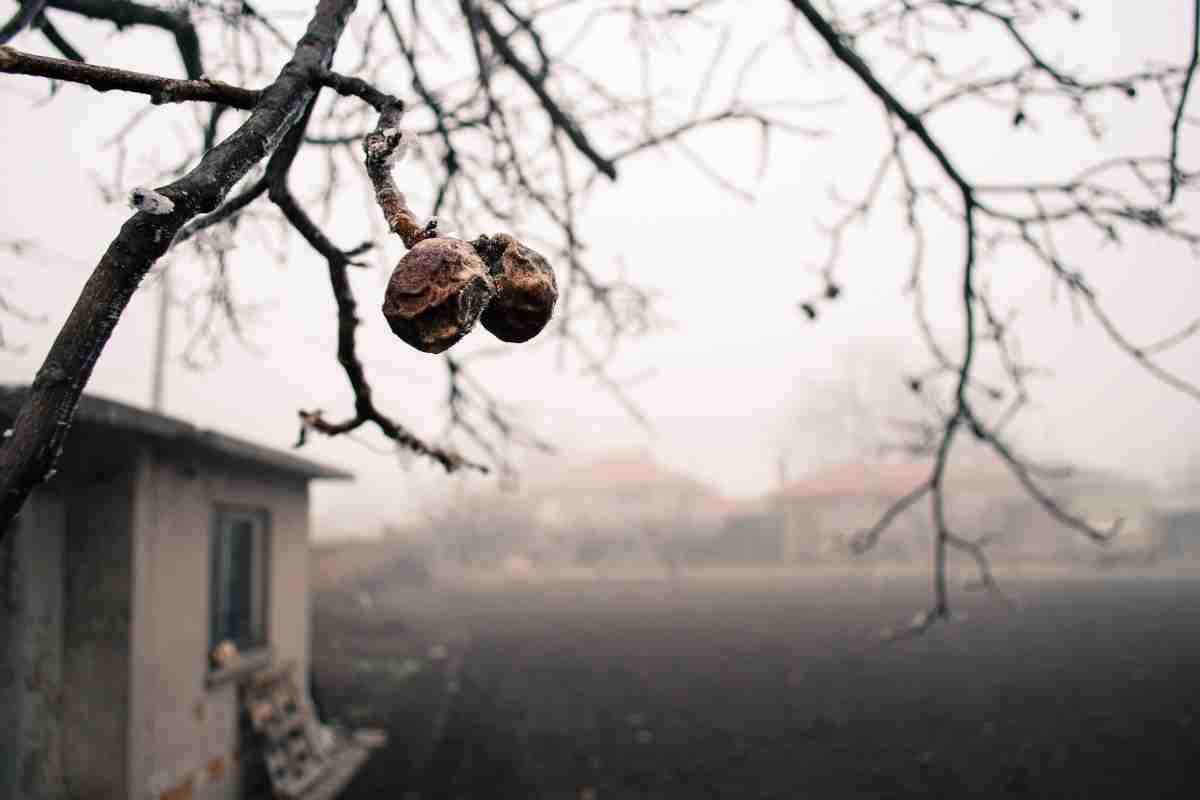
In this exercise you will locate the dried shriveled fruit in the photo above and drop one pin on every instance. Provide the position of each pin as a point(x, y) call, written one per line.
point(526, 290)
point(436, 293)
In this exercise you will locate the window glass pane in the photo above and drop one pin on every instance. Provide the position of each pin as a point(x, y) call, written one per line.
point(238, 579)
point(241, 559)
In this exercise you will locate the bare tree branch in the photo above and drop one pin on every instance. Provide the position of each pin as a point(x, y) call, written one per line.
point(1177, 121)
point(27, 12)
point(103, 79)
point(537, 84)
point(125, 13)
point(60, 42)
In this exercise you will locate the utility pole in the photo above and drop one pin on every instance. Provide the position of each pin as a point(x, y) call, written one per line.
point(159, 386)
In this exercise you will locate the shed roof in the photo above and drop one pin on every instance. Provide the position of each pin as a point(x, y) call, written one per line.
point(100, 411)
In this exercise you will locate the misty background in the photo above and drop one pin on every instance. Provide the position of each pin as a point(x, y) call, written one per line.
point(679, 601)
point(735, 387)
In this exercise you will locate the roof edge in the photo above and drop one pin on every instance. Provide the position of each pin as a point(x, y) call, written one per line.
point(96, 410)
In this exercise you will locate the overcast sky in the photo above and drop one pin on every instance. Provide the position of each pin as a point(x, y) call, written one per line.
point(738, 361)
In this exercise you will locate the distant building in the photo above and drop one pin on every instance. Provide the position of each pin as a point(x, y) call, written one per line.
point(1104, 499)
point(624, 506)
point(750, 536)
point(1179, 519)
point(152, 544)
point(1180, 531)
point(822, 512)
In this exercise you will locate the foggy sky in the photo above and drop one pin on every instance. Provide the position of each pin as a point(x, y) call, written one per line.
point(721, 383)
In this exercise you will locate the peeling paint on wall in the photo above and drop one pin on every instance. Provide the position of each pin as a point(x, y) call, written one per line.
point(182, 791)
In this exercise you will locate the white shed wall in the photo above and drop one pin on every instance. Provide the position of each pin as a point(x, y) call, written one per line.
point(185, 732)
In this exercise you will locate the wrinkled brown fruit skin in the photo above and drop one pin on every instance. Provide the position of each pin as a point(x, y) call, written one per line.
point(526, 289)
point(436, 294)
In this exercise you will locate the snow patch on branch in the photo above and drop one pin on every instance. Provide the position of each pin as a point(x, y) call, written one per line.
point(150, 201)
point(391, 145)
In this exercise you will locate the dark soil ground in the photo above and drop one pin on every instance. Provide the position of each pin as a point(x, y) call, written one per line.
point(768, 686)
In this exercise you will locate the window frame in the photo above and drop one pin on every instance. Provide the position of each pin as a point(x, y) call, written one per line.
point(224, 516)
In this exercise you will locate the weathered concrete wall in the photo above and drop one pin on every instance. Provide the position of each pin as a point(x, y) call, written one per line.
point(12, 665)
point(31, 639)
point(185, 731)
point(97, 613)
point(12, 623)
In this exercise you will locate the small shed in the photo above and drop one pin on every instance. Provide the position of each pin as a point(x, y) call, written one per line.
point(154, 545)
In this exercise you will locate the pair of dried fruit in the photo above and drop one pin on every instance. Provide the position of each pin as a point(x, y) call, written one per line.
point(442, 286)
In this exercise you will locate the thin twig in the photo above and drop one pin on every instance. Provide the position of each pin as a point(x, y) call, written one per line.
point(103, 79)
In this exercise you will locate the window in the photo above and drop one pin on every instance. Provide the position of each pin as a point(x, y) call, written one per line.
point(238, 595)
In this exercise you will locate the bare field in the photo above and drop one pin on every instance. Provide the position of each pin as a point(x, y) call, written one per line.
point(764, 685)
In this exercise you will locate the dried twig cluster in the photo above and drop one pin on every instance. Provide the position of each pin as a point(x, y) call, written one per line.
point(444, 285)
